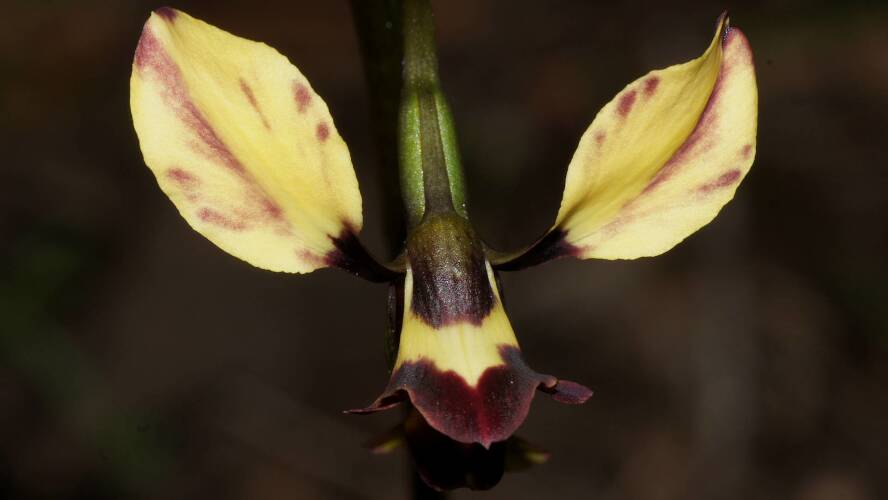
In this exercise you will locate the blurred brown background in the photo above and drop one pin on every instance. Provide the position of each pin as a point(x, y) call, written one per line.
point(751, 362)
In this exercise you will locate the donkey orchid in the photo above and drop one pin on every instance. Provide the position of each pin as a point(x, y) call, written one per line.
point(248, 153)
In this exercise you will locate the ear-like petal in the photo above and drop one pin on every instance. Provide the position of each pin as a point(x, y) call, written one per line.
point(660, 160)
point(242, 145)
point(664, 156)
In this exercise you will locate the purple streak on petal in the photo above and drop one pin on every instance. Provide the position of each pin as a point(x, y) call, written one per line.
point(724, 180)
point(185, 180)
point(152, 58)
point(216, 218)
point(248, 92)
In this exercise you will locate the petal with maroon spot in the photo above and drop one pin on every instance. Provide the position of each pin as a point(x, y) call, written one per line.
point(243, 146)
point(659, 161)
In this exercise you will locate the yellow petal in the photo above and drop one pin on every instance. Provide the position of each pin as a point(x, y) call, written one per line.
point(242, 145)
point(661, 159)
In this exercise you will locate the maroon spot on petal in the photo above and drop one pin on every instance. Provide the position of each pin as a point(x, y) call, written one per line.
point(184, 179)
point(322, 131)
point(724, 180)
point(167, 13)
point(302, 96)
point(248, 92)
point(217, 218)
point(650, 86)
point(624, 105)
point(746, 151)
point(600, 136)
point(488, 412)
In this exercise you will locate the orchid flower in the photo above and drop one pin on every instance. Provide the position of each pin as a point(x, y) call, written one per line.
point(249, 154)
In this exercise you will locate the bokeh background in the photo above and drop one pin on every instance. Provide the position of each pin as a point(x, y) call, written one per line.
point(751, 362)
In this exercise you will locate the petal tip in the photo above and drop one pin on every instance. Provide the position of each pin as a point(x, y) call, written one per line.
point(568, 392)
point(388, 400)
point(168, 14)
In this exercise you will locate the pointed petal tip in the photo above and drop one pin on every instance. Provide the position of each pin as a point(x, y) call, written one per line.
point(385, 402)
point(167, 13)
point(568, 392)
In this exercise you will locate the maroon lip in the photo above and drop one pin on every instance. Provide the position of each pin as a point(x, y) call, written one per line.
point(489, 412)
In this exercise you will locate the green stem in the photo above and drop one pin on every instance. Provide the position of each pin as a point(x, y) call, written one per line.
point(431, 174)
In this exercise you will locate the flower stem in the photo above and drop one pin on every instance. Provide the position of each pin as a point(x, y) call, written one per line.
point(431, 174)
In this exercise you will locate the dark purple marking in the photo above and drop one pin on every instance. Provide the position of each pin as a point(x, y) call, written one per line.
point(746, 151)
point(322, 132)
point(245, 88)
point(627, 100)
point(551, 246)
point(167, 13)
point(217, 218)
point(724, 180)
point(489, 412)
point(450, 281)
point(650, 86)
point(350, 255)
point(302, 96)
point(600, 136)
